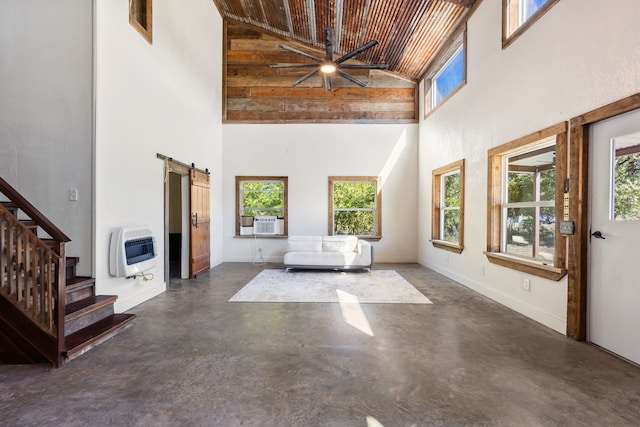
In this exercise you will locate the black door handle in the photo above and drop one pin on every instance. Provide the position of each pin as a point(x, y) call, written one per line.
point(598, 235)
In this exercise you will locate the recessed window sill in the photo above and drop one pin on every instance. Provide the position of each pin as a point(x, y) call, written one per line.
point(528, 266)
point(370, 238)
point(447, 246)
point(261, 236)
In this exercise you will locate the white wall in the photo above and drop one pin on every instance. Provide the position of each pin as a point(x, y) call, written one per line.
point(46, 112)
point(160, 98)
point(308, 154)
point(581, 55)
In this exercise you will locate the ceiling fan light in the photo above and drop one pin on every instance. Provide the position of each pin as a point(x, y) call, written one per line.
point(328, 68)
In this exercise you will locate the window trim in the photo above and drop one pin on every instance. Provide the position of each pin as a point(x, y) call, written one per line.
point(507, 38)
point(285, 181)
point(495, 197)
point(436, 208)
point(378, 204)
point(442, 60)
point(144, 28)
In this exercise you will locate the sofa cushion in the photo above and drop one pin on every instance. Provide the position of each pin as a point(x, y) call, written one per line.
point(339, 243)
point(326, 259)
point(304, 243)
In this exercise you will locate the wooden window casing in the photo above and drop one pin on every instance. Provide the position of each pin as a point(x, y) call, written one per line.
point(141, 18)
point(495, 204)
point(239, 208)
point(512, 28)
point(436, 209)
point(378, 203)
point(457, 42)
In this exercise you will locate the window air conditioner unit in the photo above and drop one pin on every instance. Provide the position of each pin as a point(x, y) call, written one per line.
point(265, 224)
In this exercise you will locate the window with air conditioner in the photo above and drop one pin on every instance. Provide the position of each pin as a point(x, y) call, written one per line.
point(261, 205)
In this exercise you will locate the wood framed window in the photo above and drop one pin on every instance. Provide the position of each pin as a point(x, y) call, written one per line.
point(526, 186)
point(141, 17)
point(355, 205)
point(519, 15)
point(262, 198)
point(448, 75)
point(447, 213)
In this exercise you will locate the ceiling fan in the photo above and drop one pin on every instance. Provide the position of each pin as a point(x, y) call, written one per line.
point(329, 66)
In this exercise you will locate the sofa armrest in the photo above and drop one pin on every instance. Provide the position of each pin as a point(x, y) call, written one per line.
point(365, 249)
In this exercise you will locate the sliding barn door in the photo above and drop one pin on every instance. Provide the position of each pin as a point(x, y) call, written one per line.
point(199, 255)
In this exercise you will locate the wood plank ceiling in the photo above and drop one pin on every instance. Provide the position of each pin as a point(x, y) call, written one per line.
point(410, 34)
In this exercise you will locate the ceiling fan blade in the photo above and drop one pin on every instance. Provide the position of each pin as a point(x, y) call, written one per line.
point(328, 37)
point(355, 52)
point(351, 78)
point(293, 65)
point(301, 79)
point(365, 66)
point(299, 52)
point(327, 82)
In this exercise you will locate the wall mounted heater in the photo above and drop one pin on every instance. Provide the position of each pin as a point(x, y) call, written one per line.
point(265, 224)
point(132, 251)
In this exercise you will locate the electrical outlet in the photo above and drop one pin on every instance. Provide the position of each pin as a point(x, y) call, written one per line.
point(526, 285)
point(73, 194)
point(567, 228)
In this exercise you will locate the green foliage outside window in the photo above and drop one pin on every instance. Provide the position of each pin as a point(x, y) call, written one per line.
point(262, 198)
point(521, 221)
point(627, 188)
point(354, 204)
point(451, 217)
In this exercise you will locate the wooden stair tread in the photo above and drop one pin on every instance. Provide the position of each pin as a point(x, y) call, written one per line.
point(79, 281)
point(78, 308)
point(96, 333)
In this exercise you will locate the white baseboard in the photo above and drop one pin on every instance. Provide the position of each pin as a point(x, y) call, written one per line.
point(280, 259)
point(544, 317)
point(121, 305)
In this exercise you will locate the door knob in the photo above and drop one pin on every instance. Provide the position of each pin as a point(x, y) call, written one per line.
point(598, 235)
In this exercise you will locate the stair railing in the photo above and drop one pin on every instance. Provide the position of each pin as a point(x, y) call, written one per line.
point(32, 276)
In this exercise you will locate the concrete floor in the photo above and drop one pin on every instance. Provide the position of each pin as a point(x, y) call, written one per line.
point(192, 358)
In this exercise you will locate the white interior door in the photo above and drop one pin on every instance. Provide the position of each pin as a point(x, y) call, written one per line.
point(614, 273)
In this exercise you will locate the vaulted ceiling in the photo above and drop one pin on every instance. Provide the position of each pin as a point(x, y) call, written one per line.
point(410, 32)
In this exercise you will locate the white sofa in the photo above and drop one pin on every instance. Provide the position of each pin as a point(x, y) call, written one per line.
point(328, 252)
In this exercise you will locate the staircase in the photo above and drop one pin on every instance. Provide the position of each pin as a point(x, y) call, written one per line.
point(47, 312)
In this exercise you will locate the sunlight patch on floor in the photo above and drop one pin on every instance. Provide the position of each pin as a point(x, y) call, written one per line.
point(352, 312)
point(372, 422)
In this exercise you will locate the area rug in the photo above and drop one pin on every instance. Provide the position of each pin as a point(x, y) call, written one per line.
point(377, 287)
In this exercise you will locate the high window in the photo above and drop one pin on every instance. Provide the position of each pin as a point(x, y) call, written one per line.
point(355, 205)
point(447, 226)
point(140, 17)
point(258, 197)
point(518, 15)
point(526, 189)
point(447, 76)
